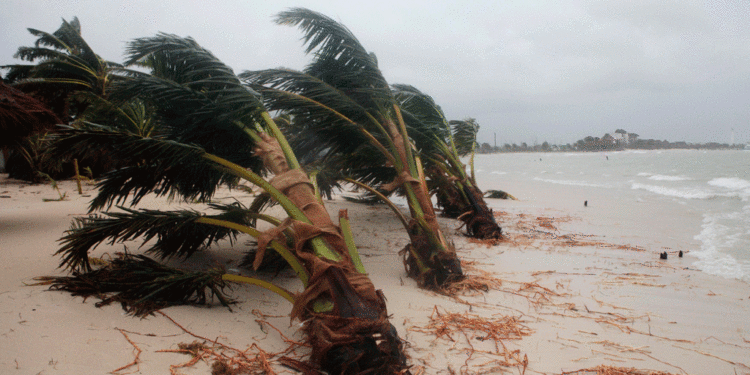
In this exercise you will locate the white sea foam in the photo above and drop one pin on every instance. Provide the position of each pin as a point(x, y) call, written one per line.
point(498, 172)
point(732, 183)
point(659, 177)
point(571, 182)
point(718, 236)
point(686, 193)
point(736, 187)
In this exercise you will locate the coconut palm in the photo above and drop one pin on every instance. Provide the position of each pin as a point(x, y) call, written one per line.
point(344, 106)
point(441, 144)
point(212, 130)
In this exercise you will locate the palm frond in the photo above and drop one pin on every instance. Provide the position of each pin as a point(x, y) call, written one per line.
point(143, 285)
point(175, 233)
point(332, 40)
point(196, 96)
point(64, 45)
point(157, 165)
point(17, 72)
point(340, 58)
point(260, 203)
point(178, 59)
point(134, 116)
point(65, 63)
point(425, 120)
point(307, 98)
point(465, 135)
point(47, 41)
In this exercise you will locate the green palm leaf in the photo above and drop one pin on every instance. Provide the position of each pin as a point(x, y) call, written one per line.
point(334, 44)
point(143, 285)
point(176, 233)
point(64, 64)
point(157, 165)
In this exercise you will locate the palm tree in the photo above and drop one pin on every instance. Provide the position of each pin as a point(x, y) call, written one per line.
point(64, 64)
point(212, 130)
point(66, 75)
point(344, 106)
point(441, 144)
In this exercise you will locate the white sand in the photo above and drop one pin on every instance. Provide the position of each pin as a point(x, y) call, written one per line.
point(583, 305)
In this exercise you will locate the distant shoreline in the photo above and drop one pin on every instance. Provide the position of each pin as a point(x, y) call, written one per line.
point(674, 146)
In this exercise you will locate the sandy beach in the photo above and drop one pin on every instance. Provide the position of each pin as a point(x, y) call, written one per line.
point(568, 289)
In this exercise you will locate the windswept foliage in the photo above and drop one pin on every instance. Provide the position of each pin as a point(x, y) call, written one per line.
point(210, 129)
point(68, 77)
point(441, 143)
point(350, 118)
point(64, 64)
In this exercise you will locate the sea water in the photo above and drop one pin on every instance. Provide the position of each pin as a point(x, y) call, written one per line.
point(695, 200)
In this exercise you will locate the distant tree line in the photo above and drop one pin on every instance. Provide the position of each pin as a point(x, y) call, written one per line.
point(622, 140)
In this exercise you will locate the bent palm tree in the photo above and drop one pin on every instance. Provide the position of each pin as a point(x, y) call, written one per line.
point(441, 144)
point(213, 130)
point(344, 105)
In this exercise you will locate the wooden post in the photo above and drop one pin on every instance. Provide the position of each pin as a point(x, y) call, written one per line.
point(78, 176)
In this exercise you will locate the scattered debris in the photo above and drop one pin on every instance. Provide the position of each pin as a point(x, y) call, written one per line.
point(611, 370)
point(476, 329)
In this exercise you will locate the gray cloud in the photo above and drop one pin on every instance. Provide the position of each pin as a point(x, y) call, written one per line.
point(528, 71)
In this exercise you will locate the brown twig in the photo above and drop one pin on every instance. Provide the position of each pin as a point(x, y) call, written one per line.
point(136, 360)
point(230, 360)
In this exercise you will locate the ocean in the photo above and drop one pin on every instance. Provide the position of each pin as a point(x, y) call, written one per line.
point(663, 200)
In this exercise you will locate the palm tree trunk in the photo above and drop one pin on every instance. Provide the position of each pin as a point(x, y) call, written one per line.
point(428, 258)
point(464, 201)
point(353, 334)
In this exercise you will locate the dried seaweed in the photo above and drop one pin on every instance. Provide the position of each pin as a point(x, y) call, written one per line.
point(611, 370)
point(226, 360)
point(475, 282)
point(542, 229)
point(136, 361)
point(474, 329)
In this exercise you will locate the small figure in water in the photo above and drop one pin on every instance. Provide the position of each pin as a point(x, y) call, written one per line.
point(680, 254)
point(585, 203)
point(663, 256)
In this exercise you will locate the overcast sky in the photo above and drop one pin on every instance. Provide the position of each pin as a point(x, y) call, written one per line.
point(529, 71)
